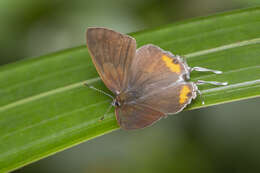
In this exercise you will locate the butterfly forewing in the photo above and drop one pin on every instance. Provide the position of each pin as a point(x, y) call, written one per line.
point(112, 53)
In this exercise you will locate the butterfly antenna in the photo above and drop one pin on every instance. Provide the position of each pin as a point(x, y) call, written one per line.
point(98, 90)
point(108, 109)
point(201, 82)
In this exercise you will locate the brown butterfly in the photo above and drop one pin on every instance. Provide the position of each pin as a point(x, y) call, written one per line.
point(149, 83)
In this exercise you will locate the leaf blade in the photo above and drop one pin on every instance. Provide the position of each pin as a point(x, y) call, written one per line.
point(44, 108)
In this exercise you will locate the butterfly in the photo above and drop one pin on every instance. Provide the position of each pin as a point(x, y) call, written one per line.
point(149, 83)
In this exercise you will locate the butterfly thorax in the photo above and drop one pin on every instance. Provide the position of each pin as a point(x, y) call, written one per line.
point(123, 98)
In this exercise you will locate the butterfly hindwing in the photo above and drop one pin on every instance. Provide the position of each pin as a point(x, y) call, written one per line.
point(147, 109)
point(171, 99)
point(133, 116)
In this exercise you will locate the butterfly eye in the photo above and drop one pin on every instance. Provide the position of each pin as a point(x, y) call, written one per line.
point(117, 103)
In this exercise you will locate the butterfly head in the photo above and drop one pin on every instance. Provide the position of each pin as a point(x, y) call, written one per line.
point(116, 103)
point(119, 100)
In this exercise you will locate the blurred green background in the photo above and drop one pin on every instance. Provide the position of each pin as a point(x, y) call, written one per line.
point(223, 138)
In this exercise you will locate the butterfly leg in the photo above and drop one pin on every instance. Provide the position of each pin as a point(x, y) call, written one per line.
point(201, 82)
point(100, 91)
point(108, 109)
point(202, 69)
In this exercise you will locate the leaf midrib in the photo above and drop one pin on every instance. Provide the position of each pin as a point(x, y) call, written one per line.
point(45, 76)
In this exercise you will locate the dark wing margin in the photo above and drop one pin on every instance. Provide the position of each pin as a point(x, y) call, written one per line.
point(112, 54)
point(135, 116)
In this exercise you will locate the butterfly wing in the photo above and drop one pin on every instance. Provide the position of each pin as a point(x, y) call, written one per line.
point(148, 109)
point(171, 99)
point(112, 54)
point(159, 80)
point(133, 116)
point(153, 68)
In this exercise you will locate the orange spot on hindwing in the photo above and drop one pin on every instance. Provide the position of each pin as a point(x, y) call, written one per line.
point(170, 64)
point(184, 94)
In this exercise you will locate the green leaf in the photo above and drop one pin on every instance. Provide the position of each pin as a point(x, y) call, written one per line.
point(44, 107)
